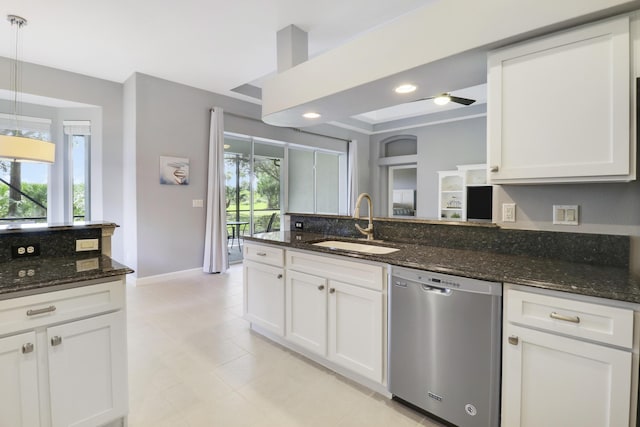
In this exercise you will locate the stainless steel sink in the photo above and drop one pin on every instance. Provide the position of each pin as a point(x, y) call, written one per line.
point(356, 247)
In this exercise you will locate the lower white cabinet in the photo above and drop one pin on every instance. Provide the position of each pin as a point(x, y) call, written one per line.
point(86, 366)
point(356, 333)
point(64, 370)
point(553, 377)
point(336, 320)
point(550, 380)
point(306, 314)
point(330, 308)
point(264, 296)
point(19, 384)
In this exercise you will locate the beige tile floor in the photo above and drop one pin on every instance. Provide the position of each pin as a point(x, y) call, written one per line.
point(194, 362)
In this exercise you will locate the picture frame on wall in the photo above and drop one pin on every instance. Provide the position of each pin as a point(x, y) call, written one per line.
point(174, 170)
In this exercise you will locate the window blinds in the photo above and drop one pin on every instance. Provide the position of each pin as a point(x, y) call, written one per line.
point(77, 127)
point(32, 127)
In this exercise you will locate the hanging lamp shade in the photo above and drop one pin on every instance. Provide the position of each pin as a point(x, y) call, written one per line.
point(23, 149)
point(19, 148)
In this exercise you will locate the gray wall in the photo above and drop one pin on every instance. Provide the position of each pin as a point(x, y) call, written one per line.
point(440, 147)
point(170, 119)
point(59, 84)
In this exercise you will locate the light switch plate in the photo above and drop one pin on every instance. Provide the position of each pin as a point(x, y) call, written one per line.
point(87, 245)
point(197, 203)
point(566, 214)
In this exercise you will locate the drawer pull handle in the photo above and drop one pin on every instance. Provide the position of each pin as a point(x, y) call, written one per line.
point(513, 340)
point(57, 340)
point(27, 348)
point(41, 310)
point(572, 319)
point(494, 169)
point(261, 253)
point(321, 288)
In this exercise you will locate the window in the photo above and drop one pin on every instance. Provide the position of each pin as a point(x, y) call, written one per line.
point(77, 200)
point(317, 181)
point(24, 186)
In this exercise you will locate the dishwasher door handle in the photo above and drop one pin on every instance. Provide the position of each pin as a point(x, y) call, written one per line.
point(436, 290)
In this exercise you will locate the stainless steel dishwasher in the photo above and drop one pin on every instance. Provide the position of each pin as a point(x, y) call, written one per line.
point(444, 346)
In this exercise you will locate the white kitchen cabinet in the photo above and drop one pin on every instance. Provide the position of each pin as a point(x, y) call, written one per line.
point(338, 311)
point(263, 299)
point(63, 355)
point(329, 308)
point(306, 317)
point(19, 386)
point(86, 363)
point(356, 329)
point(556, 369)
point(559, 107)
point(336, 320)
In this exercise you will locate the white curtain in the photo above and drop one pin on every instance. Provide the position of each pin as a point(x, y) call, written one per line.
point(216, 257)
point(352, 170)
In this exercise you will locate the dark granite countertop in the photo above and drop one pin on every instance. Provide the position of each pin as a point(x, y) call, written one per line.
point(36, 275)
point(585, 279)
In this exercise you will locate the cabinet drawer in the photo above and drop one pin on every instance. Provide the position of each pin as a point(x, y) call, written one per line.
point(357, 273)
point(586, 320)
point(264, 254)
point(33, 311)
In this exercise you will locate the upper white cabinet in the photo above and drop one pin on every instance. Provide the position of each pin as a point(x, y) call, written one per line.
point(559, 107)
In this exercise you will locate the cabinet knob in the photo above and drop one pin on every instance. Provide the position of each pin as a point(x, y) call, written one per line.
point(279, 276)
point(27, 348)
point(57, 340)
point(513, 340)
point(494, 169)
point(321, 288)
point(332, 290)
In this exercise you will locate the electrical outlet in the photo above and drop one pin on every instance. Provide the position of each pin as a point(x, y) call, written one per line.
point(298, 225)
point(566, 214)
point(23, 251)
point(197, 203)
point(508, 212)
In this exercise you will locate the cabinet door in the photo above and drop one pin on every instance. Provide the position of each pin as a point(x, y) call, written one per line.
point(306, 301)
point(356, 329)
point(19, 405)
point(558, 107)
point(264, 296)
point(87, 371)
point(549, 380)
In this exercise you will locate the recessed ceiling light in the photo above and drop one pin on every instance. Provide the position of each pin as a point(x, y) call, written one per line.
point(408, 88)
point(311, 115)
point(442, 99)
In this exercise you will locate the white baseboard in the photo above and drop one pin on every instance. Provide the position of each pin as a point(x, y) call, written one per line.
point(143, 281)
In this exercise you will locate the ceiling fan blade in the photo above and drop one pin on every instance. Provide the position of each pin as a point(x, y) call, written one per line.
point(463, 101)
point(422, 99)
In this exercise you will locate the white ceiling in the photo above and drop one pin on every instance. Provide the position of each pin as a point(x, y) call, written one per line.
point(214, 45)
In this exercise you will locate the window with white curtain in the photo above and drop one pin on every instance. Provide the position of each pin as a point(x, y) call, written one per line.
point(24, 185)
point(77, 194)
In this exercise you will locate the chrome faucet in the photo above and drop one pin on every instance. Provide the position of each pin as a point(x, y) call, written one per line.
point(356, 215)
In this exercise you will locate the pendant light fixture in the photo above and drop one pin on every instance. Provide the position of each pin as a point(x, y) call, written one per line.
point(18, 147)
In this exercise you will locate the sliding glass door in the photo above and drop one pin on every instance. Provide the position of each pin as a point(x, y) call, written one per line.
point(254, 188)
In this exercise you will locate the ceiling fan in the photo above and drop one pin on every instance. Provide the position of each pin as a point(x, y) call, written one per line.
point(445, 98)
